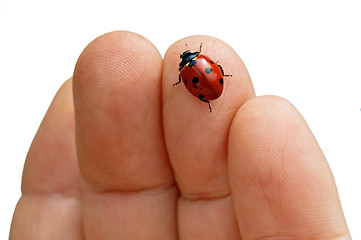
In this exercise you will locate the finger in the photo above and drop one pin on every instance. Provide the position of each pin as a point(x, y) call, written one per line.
point(129, 192)
point(281, 183)
point(197, 140)
point(50, 207)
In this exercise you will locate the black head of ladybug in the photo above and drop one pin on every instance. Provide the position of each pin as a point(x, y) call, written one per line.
point(187, 57)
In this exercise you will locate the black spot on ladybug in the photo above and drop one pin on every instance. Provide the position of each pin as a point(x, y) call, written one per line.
point(211, 61)
point(221, 81)
point(192, 63)
point(195, 80)
point(208, 70)
point(185, 82)
point(200, 96)
point(195, 86)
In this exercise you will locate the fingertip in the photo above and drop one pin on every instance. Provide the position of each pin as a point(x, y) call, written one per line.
point(280, 180)
point(237, 88)
point(52, 151)
point(189, 122)
point(118, 111)
point(112, 55)
point(264, 112)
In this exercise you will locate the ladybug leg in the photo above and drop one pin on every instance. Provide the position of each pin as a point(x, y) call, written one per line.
point(225, 75)
point(209, 105)
point(179, 80)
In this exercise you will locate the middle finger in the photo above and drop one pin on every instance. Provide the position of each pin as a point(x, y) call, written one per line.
point(196, 140)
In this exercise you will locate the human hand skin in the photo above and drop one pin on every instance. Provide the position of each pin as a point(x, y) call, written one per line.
point(142, 159)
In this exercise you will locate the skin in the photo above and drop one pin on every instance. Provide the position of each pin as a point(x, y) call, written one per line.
point(122, 154)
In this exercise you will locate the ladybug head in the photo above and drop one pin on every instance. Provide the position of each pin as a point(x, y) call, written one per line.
point(187, 57)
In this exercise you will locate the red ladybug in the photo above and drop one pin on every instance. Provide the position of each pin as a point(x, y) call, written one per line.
point(201, 75)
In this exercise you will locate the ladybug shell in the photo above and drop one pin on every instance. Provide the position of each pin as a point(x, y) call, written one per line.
point(203, 78)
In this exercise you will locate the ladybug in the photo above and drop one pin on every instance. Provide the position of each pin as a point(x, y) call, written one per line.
point(202, 77)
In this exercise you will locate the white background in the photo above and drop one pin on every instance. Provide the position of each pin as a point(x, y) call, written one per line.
point(306, 51)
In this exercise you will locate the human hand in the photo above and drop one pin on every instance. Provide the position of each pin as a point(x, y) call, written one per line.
point(149, 161)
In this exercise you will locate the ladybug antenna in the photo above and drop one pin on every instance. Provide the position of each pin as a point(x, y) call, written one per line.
point(200, 47)
point(186, 47)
